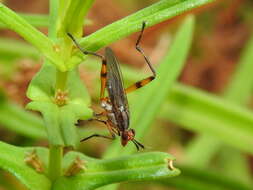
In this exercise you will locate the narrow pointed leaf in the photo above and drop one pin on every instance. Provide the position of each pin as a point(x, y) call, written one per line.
point(156, 13)
point(139, 167)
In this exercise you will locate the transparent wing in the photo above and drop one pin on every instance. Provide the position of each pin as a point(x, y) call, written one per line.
point(114, 83)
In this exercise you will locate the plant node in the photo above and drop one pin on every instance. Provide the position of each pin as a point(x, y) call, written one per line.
point(61, 97)
point(56, 48)
point(77, 166)
point(32, 159)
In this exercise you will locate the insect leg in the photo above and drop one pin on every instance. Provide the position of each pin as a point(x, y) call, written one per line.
point(147, 80)
point(103, 69)
point(98, 135)
point(112, 137)
point(82, 50)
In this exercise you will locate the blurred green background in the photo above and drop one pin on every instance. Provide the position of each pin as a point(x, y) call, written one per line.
point(206, 121)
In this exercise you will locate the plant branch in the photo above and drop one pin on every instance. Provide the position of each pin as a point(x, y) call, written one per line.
point(153, 14)
point(31, 34)
point(55, 162)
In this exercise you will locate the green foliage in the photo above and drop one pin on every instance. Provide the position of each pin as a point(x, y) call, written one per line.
point(31, 34)
point(57, 92)
point(153, 14)
point(22, 122)
point(146, 166)
point(194, 110)
point(12, 160)
point(59, 120)
point(199, 179)
point(76, 11)
point(36, 20)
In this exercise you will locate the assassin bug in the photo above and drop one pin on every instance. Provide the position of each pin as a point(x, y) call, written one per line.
point(116, 105)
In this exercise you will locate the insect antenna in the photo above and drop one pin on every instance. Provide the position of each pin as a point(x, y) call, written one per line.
point(138, 145)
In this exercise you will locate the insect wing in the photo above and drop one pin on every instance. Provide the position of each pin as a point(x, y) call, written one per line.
point(114, 83)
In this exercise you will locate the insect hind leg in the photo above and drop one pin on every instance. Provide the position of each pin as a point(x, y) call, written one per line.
point(139, 49)
point(147, 80)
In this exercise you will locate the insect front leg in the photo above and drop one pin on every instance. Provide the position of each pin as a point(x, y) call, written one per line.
point(98, 135)
point(112, 137)
point(103, 68)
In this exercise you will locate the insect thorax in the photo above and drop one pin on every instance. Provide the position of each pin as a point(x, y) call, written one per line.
point(119, 116)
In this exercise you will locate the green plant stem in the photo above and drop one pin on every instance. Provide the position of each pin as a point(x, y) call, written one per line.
point(55, 152)
point(61, 80)
point(55, 162)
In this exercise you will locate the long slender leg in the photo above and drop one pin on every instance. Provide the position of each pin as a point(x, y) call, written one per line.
point(147, 80)
point(98, 135)
point(103, 68)
point(82, 50)
point(112, 137)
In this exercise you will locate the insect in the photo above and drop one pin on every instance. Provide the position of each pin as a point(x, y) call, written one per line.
point(115, 106)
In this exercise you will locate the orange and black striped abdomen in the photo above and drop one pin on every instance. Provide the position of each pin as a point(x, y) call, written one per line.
point(103, 75)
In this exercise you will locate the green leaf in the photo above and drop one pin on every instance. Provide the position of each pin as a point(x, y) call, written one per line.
point(145, 107)
point(239, 89)
point(197, 154)
point(199, 179)
point(75, 11)
point(31, 34)
point(153, 14)
point(59, 120)
point(207, 114)
point(16, 49)
point(12, 160)
point(36, 20)
point(145, 166)
point(237, 162)
point(16, 119)
point(139, 167)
